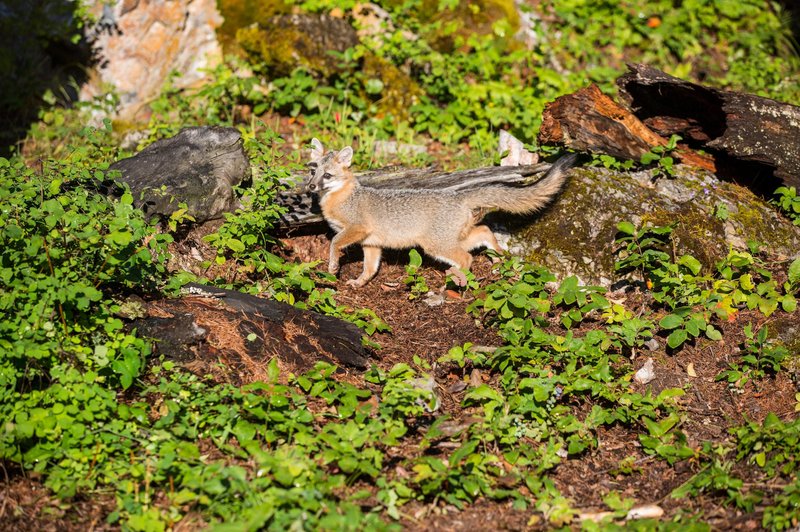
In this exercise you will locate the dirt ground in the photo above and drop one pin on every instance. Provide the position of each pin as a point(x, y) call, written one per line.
point(710, 408)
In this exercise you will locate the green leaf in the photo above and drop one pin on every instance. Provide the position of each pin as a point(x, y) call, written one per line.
point(690, 262)
point(648, 158)
point(128, 368)
point(235, 245)
point(670, 321)
point(627, 228)
point(794, 271)
point(415, 259)
point(713, 334)
point(122, 238)
point(761, 459)
point(373, 86)
point(789, 303)
point(677, 338)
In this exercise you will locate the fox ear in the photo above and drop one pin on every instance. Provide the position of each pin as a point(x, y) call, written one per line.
point(317, 151)
point(345, 156)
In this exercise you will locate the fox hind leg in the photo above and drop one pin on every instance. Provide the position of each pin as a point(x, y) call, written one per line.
point(478, 236)
point(372, 260)
point(458, 259)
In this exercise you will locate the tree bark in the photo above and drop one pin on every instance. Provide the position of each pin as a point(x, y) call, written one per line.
point(588, 120)
point(209, 326)
point(745, 127)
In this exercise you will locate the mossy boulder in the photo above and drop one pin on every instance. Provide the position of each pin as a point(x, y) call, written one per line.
point(399, 91)
point(243, 13)
point(286, 42)
point(475, 17)
point(575, 235)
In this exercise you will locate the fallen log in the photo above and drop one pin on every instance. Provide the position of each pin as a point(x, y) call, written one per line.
point(303, 212)
point(233, 336)
point(743, 126)
point(588, 120)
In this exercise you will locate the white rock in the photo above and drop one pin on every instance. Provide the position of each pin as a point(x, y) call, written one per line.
point(517, 154)
point(645, 373)
point(141, 43)
point(647, 511)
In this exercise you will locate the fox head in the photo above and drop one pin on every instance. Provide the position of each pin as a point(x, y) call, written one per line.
point(329, 171)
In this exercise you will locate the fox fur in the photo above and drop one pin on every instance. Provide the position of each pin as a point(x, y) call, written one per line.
point(445, 224)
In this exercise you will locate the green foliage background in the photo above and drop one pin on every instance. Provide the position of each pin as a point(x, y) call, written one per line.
point(89, 408)
point(456, 70)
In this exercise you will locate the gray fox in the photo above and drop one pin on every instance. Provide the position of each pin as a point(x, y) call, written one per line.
point(443, 223)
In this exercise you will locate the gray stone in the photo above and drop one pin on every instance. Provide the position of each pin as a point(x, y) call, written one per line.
point(199, 167)
point(390, 148)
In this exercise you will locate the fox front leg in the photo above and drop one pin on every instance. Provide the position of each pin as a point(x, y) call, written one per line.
point(333, 260)
point(347, 236)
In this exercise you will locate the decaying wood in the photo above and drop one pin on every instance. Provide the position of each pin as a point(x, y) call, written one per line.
point(744, 126)
point(302, 210)
point(588, 120)
point(211, 325)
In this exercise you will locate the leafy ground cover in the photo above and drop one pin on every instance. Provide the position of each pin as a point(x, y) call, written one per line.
point(515, 397)
point(513, 402)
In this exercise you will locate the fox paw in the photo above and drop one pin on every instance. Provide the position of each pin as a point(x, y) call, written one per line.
point(333, 268)
point(458, 277)
point(356, 283)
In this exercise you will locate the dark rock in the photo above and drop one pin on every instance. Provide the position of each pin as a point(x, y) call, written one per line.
point(199, 166)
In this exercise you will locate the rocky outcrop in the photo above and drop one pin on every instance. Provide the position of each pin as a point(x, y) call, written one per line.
point(139, 43)
point(289, 41)
point(575, 234)
point(315, 42)
point(199, 167)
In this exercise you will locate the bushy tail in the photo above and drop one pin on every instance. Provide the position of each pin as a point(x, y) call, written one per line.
point(524, 199)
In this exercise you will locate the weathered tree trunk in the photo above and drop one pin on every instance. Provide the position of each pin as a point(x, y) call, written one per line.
point(199, 167)
point(304, 212)
point(209, 326)
point(743, 126)
point(588, 120)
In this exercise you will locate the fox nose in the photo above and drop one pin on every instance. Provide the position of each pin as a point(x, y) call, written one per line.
point(312, 187)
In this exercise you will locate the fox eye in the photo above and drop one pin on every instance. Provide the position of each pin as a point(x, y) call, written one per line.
point(326, 175)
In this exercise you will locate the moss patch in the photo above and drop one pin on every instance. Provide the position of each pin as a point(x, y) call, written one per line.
point(286, 42)
point(481, 17)
point(399, 92)
point(242, 13)
point(575, 234)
